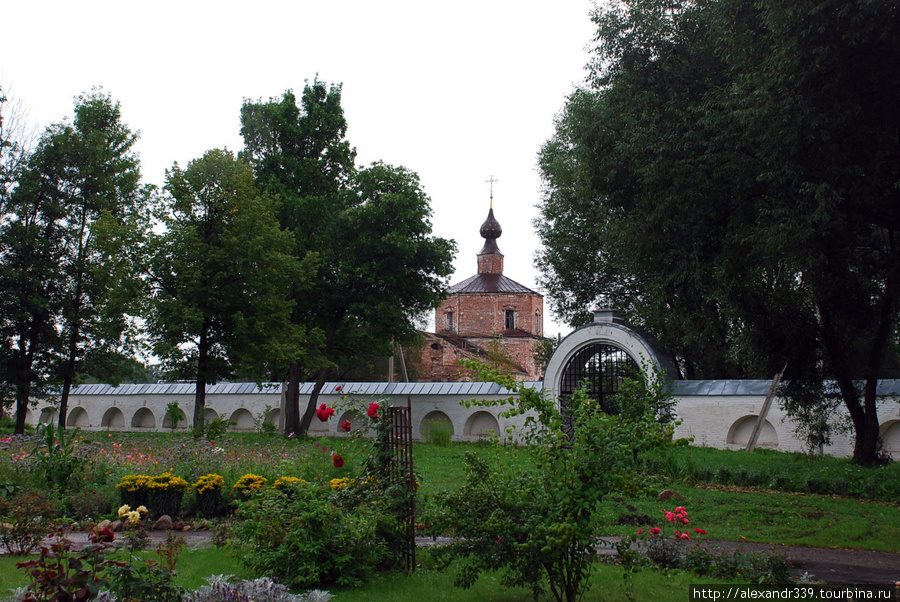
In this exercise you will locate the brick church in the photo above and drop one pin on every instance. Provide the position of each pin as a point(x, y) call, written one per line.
point(488, 317)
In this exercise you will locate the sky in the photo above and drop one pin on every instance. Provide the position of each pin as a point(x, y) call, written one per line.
point(457, 92)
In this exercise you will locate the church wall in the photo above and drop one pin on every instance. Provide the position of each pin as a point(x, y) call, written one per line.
point(485, 314)
point(720, 421)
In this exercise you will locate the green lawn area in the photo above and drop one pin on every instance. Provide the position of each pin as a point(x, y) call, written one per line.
point(729, 512)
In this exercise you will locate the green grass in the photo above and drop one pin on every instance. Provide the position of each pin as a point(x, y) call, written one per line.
point(747, 508)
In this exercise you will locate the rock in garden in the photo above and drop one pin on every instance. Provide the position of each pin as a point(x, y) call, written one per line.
point(116, 525)
point(163, 523)
point(104, 524)
point(670, 494)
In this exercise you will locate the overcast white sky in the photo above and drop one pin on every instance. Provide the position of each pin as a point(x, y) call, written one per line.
point(455, 91)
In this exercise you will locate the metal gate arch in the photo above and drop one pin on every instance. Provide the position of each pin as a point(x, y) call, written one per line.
point(607, 329)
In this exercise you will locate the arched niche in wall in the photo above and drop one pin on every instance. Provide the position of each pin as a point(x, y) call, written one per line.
point(78, 417)
point(356, 422)
point(143, 419)
point(481, 424)
point(435, 419)
point(113, 418)
point(890, 437)
point(48, 416)
point(209, 415)
point(167, 423)
point(242, 419)
point(603, 352)
point(740, 431)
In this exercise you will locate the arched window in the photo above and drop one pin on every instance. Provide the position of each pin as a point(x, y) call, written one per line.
point(537, 323)
point(603, 367)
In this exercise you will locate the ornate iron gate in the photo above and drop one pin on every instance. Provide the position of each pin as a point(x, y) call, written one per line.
point(402, 451)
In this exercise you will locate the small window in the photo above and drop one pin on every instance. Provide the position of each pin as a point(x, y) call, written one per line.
point(537, 323)
point(510, 319)
point(449, 320)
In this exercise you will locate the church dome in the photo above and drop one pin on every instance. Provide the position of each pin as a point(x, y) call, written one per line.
point(491, 227)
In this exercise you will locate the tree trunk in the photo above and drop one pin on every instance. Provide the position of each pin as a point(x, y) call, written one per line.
point(23, 392)
point(313, 399)
point(292, 401)
point(200, 391)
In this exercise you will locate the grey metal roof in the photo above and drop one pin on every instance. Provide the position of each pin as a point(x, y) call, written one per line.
point(490, 283)
point(678, 388)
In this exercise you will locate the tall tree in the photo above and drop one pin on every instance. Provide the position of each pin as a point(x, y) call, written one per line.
point(219, 273)
point(730, 178)
point(380, 265)
point(81, 188)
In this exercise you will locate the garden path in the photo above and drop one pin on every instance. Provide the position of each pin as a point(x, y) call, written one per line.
point(833, 566)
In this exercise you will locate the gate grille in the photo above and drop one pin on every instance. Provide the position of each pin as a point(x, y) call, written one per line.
point(402, 452)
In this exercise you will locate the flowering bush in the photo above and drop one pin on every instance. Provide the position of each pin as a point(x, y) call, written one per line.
point(305, 539)
point(338, 484)
point(285, 482)
point(135, 489)
point(209, 483)
point(372, 412)
point(249, 483)
point(323, 413)
point(231, 589)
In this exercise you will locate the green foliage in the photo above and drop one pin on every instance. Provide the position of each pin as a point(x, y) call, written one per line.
point(540, 527)
point(57, 459)
point(437, 432)
point(701, 180)
point(211, 430)
point(219, 274)
point(304, 539)
point(379, 264)
point(174, 414)
point(25, 519)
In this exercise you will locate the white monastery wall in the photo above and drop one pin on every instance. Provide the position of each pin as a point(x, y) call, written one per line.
point(722, 415)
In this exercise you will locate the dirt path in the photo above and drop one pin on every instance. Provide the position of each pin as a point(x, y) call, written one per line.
point(836, 567)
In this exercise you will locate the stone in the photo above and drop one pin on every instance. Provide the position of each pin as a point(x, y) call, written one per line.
point(116, 526)
point(670, 494)
point(104, 524)
point(163, 523)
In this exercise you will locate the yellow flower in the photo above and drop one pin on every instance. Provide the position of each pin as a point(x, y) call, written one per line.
point(338, 484)
point(208, 483)
point(133, 516)
point(123, 510)
point(143, 510)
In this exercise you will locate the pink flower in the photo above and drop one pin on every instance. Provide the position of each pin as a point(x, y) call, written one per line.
point(338, 388)
point(700, 531)
point(681, 509)
point(670, 516)
point(640, 531)
point(683, 536)
point(345, 425)
point(373, 410)
point(655, 531)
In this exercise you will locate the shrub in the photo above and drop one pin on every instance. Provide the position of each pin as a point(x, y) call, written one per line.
point(438, 432)
point(540, 527)
point(230, 589)
point(305, 540)
point(62, 575)
point(88, 504)
point(25, 520)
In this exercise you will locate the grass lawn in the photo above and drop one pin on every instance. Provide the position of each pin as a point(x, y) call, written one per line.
point(727, 511)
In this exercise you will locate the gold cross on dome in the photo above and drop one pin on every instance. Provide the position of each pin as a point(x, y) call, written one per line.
point(491, 181)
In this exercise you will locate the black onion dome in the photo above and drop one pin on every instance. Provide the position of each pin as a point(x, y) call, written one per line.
point(491, 227)
point(490, 231)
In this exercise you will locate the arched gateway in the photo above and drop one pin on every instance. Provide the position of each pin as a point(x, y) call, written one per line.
point(602, 353)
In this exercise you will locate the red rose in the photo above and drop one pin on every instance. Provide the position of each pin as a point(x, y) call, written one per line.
point(346, 426)
point(338, 460)
point(324, 413)
point(373, 410)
